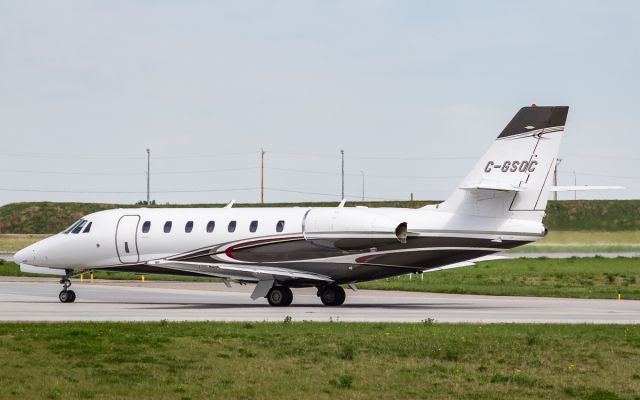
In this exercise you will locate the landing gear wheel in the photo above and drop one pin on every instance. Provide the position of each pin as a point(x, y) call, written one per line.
point(280, 296)
point(67, 296)
point(332, 295)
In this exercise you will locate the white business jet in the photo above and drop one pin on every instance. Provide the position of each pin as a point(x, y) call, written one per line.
point(498, 206)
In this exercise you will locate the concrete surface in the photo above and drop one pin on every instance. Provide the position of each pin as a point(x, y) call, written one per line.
point(36, 299)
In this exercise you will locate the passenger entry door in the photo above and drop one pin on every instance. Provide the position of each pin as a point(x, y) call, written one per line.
point(126, 243)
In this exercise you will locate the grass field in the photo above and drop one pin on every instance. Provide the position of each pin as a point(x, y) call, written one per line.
point(596, 277)
point(574, 277)
point(10, 243)
point(578, 215)
point(584, 242)
point(318, 361)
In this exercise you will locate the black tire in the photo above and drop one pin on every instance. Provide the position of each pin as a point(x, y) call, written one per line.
point(333, 296)
point(279, 296)
point(289, 298)
point(64, 296)
point(72, 296)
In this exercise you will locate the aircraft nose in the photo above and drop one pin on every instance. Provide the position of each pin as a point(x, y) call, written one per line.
point(25, 255)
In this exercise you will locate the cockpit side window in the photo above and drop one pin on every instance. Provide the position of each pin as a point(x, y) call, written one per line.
point(79, 227)
point(72, 227)
point(88, 228)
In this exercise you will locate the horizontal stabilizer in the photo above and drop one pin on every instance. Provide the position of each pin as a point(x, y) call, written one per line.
point(583, 188)
point(500, 187)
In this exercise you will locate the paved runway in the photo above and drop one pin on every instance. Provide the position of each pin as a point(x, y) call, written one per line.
point(35, 299)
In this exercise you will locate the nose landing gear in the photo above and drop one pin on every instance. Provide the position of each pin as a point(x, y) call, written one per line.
point(66, 295)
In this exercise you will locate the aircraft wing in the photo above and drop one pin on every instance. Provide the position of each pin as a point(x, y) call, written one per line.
point(468, 263)
point(247, 273)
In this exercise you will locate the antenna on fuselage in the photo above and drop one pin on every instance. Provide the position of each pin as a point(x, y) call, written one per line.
point(231, 203)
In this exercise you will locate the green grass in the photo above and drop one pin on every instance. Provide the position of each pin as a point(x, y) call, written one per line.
point(584, 242)
point(318, 361)
point(595, 277)
point(580, 215)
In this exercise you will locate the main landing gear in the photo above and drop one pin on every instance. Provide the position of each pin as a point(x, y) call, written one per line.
point(332, 295)
point(280, 296)
point(66, 295)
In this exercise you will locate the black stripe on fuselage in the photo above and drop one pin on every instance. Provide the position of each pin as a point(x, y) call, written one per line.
point(301, 250)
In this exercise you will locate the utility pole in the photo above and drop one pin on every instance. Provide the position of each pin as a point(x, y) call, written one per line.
point(575, 183)
point(362, 172)
point(262, 176)
point(342, 154)
point(148, 175)
point(555, 178)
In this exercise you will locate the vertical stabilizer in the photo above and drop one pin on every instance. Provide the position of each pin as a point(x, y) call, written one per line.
point(513, 178)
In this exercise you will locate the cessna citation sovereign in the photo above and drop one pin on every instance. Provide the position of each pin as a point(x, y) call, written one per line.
point(499, 205)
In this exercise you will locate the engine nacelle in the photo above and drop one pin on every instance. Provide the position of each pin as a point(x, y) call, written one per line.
point(352, 228)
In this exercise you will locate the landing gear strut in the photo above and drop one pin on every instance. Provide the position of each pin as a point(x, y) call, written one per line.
point(280, 296)
point(66, 295)
point(332, 295)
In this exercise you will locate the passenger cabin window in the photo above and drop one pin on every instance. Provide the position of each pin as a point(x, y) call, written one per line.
point(88, 228)
point(167, 226)
point(232, 226)
point(146, 226)
point(79, 227)
point(210, 226)
point(188, 227)
point(280, 226)
point(254, 226)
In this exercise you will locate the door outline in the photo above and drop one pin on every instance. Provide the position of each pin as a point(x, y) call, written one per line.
point(135, 240)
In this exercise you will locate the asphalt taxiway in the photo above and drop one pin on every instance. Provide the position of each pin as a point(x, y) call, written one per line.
point(36, 299)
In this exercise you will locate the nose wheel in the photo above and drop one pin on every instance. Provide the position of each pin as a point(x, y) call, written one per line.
point(66, 295)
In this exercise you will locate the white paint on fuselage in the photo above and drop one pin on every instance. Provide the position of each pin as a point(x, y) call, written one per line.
point(97, 248)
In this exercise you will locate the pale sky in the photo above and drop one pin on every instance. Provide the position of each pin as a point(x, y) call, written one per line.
point(413, 91)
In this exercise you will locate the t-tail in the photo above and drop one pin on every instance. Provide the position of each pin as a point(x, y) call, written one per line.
point(513, 179)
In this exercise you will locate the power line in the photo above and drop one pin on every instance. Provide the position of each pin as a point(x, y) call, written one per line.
point(336, 195)
point(29, 171)
point(389, 158)
point(124, 192)
point(307, 171)
point(189, 172)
